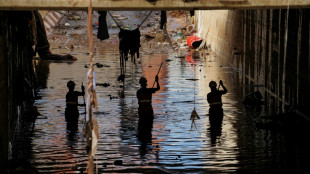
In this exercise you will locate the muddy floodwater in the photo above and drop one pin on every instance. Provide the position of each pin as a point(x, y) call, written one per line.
point(239, 146)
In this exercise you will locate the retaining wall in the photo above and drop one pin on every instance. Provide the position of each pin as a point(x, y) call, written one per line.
point(274, 47)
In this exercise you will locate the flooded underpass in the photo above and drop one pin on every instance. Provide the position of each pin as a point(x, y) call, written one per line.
point(239, 146)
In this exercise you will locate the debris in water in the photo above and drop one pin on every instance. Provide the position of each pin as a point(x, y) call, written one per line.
point(71, 47)
point(77, 17)
point(112, 97)
point(180, 56)
point(149, 36)
point(118, 162)
point(192, 79)
point(189, 101)
point(99, 65)
point(103, 84)
point(121, 77)
point(194, 116)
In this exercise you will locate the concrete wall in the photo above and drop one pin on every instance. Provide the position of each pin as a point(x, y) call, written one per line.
point(16, 53)
point(274, 46)
point(3, 108)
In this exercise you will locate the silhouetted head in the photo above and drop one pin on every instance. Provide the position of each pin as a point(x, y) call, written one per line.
point(143, 81)
point(71, 85)
point(212, 85)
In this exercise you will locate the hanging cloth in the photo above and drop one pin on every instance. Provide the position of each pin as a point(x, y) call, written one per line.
point(163, 18)
point(103, 32)
point(129, 42)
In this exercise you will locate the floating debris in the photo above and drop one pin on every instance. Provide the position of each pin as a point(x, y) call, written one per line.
point(192, 79)
point(188, 101)
point(149, 36)
point(121, 77)
point(99, 65)
point(112, 97)
point(76, 17)
point(180, 56)
point(103, 84)
point(194, 116)
point(118, 162)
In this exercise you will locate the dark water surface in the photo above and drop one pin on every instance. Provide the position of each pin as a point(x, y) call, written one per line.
point(239, 147)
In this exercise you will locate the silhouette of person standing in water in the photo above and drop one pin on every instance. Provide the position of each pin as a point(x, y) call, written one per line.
point(216, 111)
point(72, 112)
point(145, 112)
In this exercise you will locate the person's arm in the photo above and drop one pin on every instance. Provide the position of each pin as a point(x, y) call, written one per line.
point(158, 86)
point(225, 90)
point(81, 93)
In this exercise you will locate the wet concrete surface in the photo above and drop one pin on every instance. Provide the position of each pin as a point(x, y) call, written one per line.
point(238, 147)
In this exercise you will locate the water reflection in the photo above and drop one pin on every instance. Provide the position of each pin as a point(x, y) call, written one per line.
point(166, 141)
point(42, 72)
point(145, 135)
point(226, 144)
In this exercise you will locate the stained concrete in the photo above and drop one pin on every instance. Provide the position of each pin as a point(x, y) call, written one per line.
point(277, 66)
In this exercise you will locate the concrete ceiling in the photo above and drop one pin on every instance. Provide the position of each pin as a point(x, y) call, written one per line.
point(150, 4)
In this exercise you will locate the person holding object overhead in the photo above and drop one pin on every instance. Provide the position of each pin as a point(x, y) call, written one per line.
point(216, 111)
point(145, 112)
point(215, 96)
point(144, 96)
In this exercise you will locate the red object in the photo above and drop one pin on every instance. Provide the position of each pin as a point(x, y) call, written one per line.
point(192, 39)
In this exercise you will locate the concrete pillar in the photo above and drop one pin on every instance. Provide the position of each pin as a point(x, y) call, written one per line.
point(3, 107)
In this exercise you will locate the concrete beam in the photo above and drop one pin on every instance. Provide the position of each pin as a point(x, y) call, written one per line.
point(150, 4)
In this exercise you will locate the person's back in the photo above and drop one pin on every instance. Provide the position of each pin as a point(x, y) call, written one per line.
point(215, 96)
point(72, 99)
point(144, 96)
point(72, 112)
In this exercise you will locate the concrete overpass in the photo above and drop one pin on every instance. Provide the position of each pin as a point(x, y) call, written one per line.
point(151, 4)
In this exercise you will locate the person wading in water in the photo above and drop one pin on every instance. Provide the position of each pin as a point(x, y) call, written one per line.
point(216, 111)
point(145, 112)
point(72, 112)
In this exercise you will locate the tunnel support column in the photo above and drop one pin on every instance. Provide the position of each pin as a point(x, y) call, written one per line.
point(3, 107)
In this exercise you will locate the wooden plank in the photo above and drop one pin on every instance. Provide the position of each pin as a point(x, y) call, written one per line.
point(146, 5)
